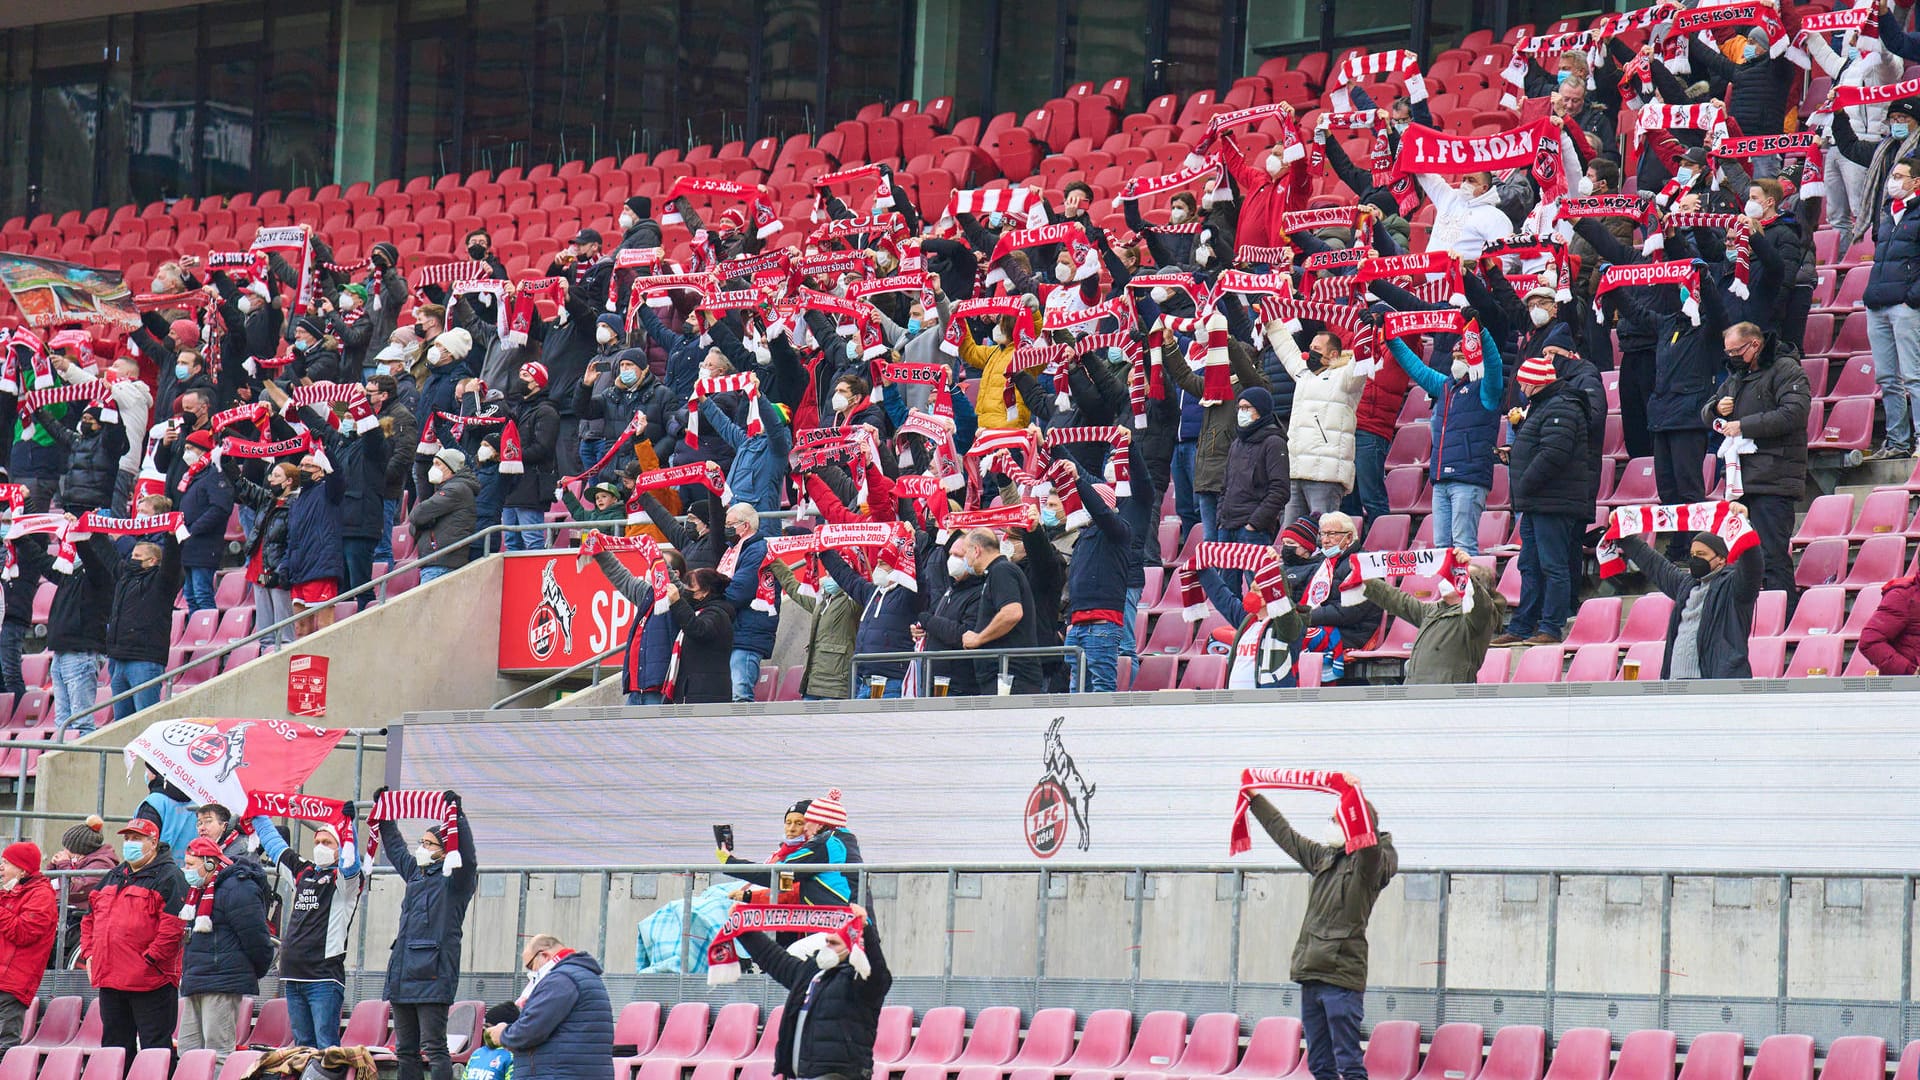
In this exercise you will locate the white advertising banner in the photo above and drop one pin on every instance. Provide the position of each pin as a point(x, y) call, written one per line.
point(1815, 781)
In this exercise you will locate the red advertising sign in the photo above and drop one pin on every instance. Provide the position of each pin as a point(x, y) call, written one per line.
point(553, 616)
point(307, 685)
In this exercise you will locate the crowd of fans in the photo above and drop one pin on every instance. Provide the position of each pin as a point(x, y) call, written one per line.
point(951, 428)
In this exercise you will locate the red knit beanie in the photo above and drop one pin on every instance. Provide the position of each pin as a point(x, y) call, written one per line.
point(24, 854)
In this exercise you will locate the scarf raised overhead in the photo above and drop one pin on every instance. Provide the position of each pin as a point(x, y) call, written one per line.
point(818, 923)
point(1356, 822)
point(416, 804)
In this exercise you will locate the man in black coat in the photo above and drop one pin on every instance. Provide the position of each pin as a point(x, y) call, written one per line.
point(403, 437)
point(1712, 605)
point(141, 623)
point(832, 1014)
point(423, 972)
point(1256, 490)
point(77, 626)
point(1548, 466)
point(529, 490)
point(361, 459)
point(1760, 410)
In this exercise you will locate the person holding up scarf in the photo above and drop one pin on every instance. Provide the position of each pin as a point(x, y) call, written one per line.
point(423, 974)
point(313, 947)
point(833, 1001)
point(228, 947)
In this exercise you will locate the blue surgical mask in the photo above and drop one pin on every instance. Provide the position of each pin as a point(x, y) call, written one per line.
point(1116, 355)
point(913, 327)
point(1750, 51)
point(180, 371)
point(853, 348)
point(131, 850)
point(995, 220)
point(303, 346)
point(1684, 177)
point(1049, 519)
point(194, 877)
point(829, 587)
point(629, 377)
point(1900, 131)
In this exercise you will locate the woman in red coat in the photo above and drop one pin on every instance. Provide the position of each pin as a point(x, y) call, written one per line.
point(1891, 639)
point(29, 918)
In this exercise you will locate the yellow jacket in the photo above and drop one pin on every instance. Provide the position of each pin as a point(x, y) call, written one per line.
point(995, 385)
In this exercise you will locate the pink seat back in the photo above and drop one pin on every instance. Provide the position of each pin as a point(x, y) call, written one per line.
point(895, 1034)
point(1213, 1048)
point(1049, 1039)
point(769, 1036)
point(1519, 1052)
point(638, 1026)
point(939, 1039)
point(1272, 1050)
point(995, 1037)
point(1715, 1055)
point(1644, 1055)
point(106, 1064)
point(1104, 1039)
point(1785, 1057)
point(686, 1031)
point(1455, 1052)
point(63, 1063)
point(1393, 1050)
point(733, 1032)
point(198, 1064)
point(58, 1023)
point(1861, 1057)
point(1162, 1034)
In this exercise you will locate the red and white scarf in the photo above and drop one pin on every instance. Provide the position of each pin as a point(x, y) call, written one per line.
point(99, 521)
point(1739, 237)
point(989, 307)
point(766, 590)
point(1538, 246)
point(1070, 233)
point(1023, 204)
point(96, 394)
point(1847, 96)
point(1419, 266)
point(450, 273)
point(196, 910)
point(1358, 68)
point(938, 377)
point(1744, 13)
point(818, 923)
point(256, 414)
point(1118, 439)
point(1658, 116)
point(1326, 217)
point(1632, 207)
point(1139, 187)
point(295, 243)
point(1379, 151)
point(1804, 143)
point(303, 807)
point(1536, 147)
point(352, 395)
point(1291, 149)
point(937, 429)
point(746, 383)
point(1679, 272)
point(1714, 517)
point(706, 474)
point(714, 187)
point(1365, 566)
point(1260, 560)
point(1356, 823)
point(1542, 49)
point(883, 197)
point(415, 805)
point(59, 540)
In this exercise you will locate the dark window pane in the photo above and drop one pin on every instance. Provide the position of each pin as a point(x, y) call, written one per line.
point(1023, 77)
point(300, 102)
point(115, 121)
point(1106, 39)
point(226, 140)
point(790, 70)
point(714, 71)
point(866, 55)
point(643, 76)
point(64, 142)
point(572, 81)
point(1193, 45)
point(237, 23)
point(68, 43)
point(499, 103)
point(1360, 19)
point(432, 96)
point(18, 90)
point(1289, 27)
point(160, 136)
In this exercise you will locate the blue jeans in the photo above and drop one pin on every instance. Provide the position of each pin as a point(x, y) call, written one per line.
point(646, 697)
point(76, 678)
point(1209, 514)
point(389, 513)
point(1102, 642)
point(1894, 334)
point(199, 588)
point(590, 451)
point(529, 540)
point(863, 688)
point(1549, 554)
point(124, 675)
point(1130, 619)
point(249, 517)
point(1184, 502)
point(314, 1010)
point(1370, 474)
point(1331, 1016)
point(744, 665)
point(1456, 515)
point(434, 573)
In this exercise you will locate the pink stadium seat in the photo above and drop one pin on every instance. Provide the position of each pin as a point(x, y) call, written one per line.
point(273, 1027)
point(940, 1036)
point(59, 1022)
point(1454, 1053)
point(1158, 1043)
point(1272, 1050)
point(1213, 1048)
point(1049, 1040)
point(237, 1066)
point(64, 1063)
point(1635, 485)
point(1647, 618)
point(1593, 662)
point(199, 1064)
point(1827, 515)
point(995, 1037)
point(1715, 1055)
point(1393, 1049)
point(1821, 611)
point(1880, 559)
point(1519, 1052)
point(152, 1064)
point(1582, 1054)
point(1597, 621)
point(1857, 1057)
point(1770, 613)
point(685, 1032)
point(894, 1035)
point(1493, 669)
point(20, 1062)
point(1538, 664)
point(638, 1026)
point(1816, 657)
point(1104, 1039)
point(1785, 1057)
point(1767, 657)
point(1822, 562)
point(1909, 1067)
point(1644, 1055)
point(1883, 511)
point(367, 1024)
point(1208, 672)
point(732, 1037)
point(106, 1064)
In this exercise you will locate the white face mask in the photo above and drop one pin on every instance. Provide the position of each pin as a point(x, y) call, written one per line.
point(1896, 188)
point(247, 305)
point(1006, 548)
point(325, 856)
point(999, 335)
point(193, 457)
point(957, 567)
point(1160, 293)
point(1467, 191)
point(1460, 368)
point(881, 577)
point(1177, 215)
point(1063, 272)
point(486, 453)
point(1202, 254)
point(1539, 315)
point(438, 474)
point(1274, 164)
point(423, 855)
point(1586, 186)
point(628, 221)
point(1246, 417)
point(348, 301)
point(840, 403)
point(604, 335)
point(1753, 209)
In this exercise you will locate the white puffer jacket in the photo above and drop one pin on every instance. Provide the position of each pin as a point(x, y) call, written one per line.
point(1320, 436)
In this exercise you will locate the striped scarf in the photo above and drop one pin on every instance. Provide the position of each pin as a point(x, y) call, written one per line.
point(415, 804)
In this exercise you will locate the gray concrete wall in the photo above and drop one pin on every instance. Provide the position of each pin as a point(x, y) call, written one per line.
point(435, 646)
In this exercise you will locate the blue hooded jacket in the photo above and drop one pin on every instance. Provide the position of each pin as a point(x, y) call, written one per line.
point(565, 1029)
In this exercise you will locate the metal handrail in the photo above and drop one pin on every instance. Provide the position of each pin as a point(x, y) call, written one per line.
point(166, 678)
point(1072, 652)
point(559, 676)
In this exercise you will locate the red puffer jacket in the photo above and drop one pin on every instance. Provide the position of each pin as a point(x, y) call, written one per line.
point(133, 935)
point(29, 917)
point(1380, 402)
point(1892, 637)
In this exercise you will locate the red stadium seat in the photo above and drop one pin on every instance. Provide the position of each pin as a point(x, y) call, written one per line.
point(1880, 559)
point(940, 1036)
point(1393, 1049)
point(1493, 669)
point(59, 1022)
point(1272, 1050)
point(1818, 656)
point(685, 1031)
point(763, 1051)
point(1857, 1057)
point(1647, 619)
point(1104, 1039)
point(1636, 485)
point(1519, 1052)
point(1454, 1053)
point(1581, 1054)
point(1787, 1057)
point(1715, 1055)
point(199, 1064)
point(995, 1037)
point(1822, 562)
point(1594, 662)
point(1538, 664)
point(1645, 1055)
point(1597, 621)
point(1207, 672)
point(273, 1027)
point(1049, 1040)
point(1767, 657)
point(108, 1063)
point(1213, 1048)
point(732, 1037)
point(1827, 515)
point(1821, 611)
point(893, 1035)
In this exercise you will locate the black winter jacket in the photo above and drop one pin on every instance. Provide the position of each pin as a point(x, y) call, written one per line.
point(82, 600)
point(1757, 90)
point(1726, 621)
point(954, 612)
point(706, 629)
point(1548, 460)
point(1895, 277)
point(269, 530)
point(231, 957)
point(1771, 402)
point(361, 462)
point(93, 462)
point(141, 624)
point(1256, 491)
point(844, 1015)
point(539, 424)
point(425, 965)
point(446, 517)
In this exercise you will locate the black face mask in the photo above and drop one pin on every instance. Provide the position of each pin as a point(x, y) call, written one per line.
point(1700, 567)
point(477, 250)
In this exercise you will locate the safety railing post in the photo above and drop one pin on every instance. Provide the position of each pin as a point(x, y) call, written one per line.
point(1440, 950)
point(1666, 946)
point(1553, 944)
point(1780, 989)
point(1139, 919)
point(1239, 881)
point(1044, 891)
point(946, 961)
point(1906, 952)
